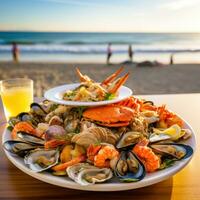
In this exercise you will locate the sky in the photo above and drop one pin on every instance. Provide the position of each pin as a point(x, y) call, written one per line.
point(100, 15)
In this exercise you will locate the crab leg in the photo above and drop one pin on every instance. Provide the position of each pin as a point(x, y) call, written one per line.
point(112, 76)
point(83, 78)
point(119, 83)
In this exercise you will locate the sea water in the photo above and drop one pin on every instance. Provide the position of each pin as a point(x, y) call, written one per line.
point(91, 47)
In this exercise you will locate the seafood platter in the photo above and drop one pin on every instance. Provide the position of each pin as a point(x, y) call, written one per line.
point(123, 145)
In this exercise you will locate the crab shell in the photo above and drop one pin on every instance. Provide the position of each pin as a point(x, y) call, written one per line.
point(110, 116)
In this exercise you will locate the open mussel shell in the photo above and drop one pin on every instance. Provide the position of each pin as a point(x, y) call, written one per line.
point(178, 151)
point(129, 168)
point(40, 160)
point(38, 109)
point(26, 137)
point(129, 139)
point(24, 116)
point(18, 147)
point(158, 137)
point(13, 121)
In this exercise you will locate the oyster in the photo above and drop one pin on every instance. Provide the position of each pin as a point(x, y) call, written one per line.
point(86, 174)
point(18, 147)
point(95, 135)
point(128, 139)
point(40, 159)
point(178, 151)
point(129, 168)
point(30, 138)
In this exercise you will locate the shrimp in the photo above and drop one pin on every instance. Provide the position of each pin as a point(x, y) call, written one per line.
point(22, 126)
point(150, 160)
point(92, 150)
point(105, 154)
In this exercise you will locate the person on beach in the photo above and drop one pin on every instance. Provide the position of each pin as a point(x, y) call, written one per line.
point(15, 53)
point(109, 53)
point(130, 53)
point(171, 59)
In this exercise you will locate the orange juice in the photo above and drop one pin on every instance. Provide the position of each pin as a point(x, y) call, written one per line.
point(16, 97)
point(17, 100)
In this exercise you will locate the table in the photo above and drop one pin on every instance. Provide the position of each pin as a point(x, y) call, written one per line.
point(185, 185)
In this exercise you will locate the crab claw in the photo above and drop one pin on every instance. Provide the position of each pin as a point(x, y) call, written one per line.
point(112, 76)
point(83, 78)
point(118, 84)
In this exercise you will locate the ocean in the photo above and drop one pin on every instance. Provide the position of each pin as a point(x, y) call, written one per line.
point(91, 47)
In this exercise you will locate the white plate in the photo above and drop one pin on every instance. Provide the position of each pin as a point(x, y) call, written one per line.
point(112, 185)
point(56, 94)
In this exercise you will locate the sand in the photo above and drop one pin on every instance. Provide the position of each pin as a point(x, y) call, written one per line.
point(170, 79)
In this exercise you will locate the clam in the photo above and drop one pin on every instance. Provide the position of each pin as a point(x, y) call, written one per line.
point(94, 135)
point(30, 138)
point(129, 168)
point(40, 160)
point(178, 151)
point(55, 132)
point(86, 174)
point(18, 147)
point(129, 139)
point(56, 120)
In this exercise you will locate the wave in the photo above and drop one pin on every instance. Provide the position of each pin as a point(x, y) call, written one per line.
point(95, 48)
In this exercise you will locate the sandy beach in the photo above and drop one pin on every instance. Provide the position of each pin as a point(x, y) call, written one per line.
point(179, 78)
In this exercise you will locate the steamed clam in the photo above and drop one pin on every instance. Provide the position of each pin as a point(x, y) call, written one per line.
point(129, 168)
point(40, 160)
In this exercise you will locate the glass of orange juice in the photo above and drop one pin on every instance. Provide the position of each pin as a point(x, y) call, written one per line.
point(17, 95)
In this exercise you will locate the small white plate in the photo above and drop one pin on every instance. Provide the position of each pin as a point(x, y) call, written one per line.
point(113, 184)
point(56, 94)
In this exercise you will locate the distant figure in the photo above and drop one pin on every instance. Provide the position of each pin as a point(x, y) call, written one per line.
point(171, 59)
point(15, 52)
point(109, 53)
point(130, 53)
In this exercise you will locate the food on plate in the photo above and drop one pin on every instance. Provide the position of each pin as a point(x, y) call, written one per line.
point(90, 90)
point(91, 145)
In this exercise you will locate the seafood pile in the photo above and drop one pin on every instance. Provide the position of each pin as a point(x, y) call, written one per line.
point(92, 145)
point(90, 90)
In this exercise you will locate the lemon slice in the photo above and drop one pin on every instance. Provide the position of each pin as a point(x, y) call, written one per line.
point(174, 132)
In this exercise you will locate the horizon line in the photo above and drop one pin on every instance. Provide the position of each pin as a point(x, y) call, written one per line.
point(40, 31)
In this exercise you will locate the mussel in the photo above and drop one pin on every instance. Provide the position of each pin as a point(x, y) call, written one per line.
point(86, 174)
point(158, 137)
point(38, 109)
point(28, 138)
point(40, 160)
point(175, 150)
point(18, 147)
point(129, 168)
point(128, 139)
point(24, 116)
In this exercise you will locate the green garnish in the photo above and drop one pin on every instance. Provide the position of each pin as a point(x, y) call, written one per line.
point(129, 180)
point(10, 128)
point(167, 163)
point(110, 96)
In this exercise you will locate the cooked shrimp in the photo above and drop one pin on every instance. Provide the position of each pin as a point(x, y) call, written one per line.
point(22, 126)
point(92, 150)
point(106, 153)
point(150, 160)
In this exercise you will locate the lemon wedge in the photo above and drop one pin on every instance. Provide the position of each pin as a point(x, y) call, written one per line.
point(173, 131)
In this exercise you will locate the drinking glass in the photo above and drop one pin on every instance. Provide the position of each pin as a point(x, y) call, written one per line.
point(17, 95)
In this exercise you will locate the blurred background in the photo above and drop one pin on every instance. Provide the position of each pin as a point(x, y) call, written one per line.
point(157, 41)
